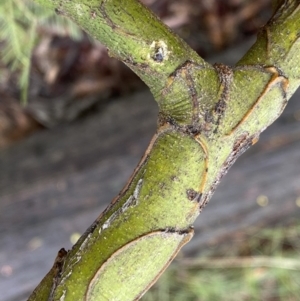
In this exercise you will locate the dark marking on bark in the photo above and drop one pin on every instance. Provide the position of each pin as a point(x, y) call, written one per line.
point(93, 227)
point(220, 107)
point(106, 17)
point(158, 55)
point(59, 11)
point(93, 14)
point(193, 195)
point(59, 262)
point(208, 121)
point(158, 51)
point(190, 129)
point(57, 270)
point(138, 67)
point(174, 178)
point(205, 199)
point(161, 119)
point(193, 129)
point(164, 119)
point(183, 66)
point(111, 23)
point(199, 198)
point(225, 74)
point(181, 232)
point(162, 185)
point(208, 118)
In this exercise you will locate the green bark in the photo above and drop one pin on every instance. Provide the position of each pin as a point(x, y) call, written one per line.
point(209, 115)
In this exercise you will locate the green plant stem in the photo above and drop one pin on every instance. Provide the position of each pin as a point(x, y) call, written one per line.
point(209, 115)
point(132, 34)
